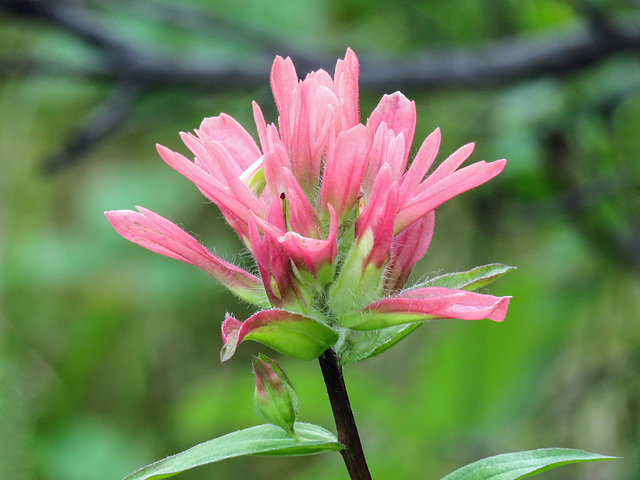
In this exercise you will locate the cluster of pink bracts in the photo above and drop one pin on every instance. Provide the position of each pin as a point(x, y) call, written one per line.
point(327, 206)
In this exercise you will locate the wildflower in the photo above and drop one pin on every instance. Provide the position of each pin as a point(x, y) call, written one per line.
point(329, 210)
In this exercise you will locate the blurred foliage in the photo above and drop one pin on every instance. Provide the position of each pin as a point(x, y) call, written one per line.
point(109, 354)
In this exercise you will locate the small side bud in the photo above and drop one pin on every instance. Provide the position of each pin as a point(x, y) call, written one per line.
point(275, 398)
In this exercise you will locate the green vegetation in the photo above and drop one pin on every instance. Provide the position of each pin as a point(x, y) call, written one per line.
point(109, 353)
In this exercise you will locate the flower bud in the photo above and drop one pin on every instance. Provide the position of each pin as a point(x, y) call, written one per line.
point(275, 398)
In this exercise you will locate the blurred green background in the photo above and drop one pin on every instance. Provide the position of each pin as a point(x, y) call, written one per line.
point(109, 353)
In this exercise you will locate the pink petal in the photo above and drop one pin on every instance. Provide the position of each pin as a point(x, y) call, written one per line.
point(274, 225)
point(345, 169)
point(225, 130)
point(212, 188)
point(302, 217)
point(261, 126)
point(387, 148)
point(284, 81)
point(447, 167)
point(275, 162)
point(399, 113)
point(235, 222)
point(316, 106)
point(446, 303)
point(273, 137)
point(420, 166)
point(202, 156)
point(274, 265)
point(455, 184)
point(313, 254)
point(275, 216)
point(408, 247)
point(378, 217)
point(224, 164)
point(261, 251)
point(346, 88)
point(429, 303)
point(156, 233)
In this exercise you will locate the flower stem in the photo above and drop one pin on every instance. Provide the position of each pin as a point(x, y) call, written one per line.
point(353, 455)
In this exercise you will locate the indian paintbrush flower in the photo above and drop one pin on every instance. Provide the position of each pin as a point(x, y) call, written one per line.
point(329, 210)
point(335, 221)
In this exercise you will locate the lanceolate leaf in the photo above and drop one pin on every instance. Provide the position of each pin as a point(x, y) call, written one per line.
point(358, 345)
point(260, 440)
point(471, 280)
point(512, 466)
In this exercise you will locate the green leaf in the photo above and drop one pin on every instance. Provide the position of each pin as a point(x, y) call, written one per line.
point(357, 345)
point(512, 466)
point(471, 280)
point(261, 440)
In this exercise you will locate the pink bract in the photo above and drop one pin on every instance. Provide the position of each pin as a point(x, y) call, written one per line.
point(325, 203)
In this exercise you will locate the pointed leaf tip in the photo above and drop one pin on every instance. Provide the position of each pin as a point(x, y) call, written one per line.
point(260, 440)
point(514, 466)
point(470, 280)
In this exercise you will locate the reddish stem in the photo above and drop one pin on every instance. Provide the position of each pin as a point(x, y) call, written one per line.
point(353, 455)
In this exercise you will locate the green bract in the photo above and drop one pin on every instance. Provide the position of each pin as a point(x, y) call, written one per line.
point(289, 333)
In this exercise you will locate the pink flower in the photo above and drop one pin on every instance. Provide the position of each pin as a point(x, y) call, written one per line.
point(326, 205)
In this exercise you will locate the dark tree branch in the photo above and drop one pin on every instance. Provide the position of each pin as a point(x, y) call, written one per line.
point(137, 68)
point(193, 19)
point(579, 203)
point(505, 61)
point(100, 122)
